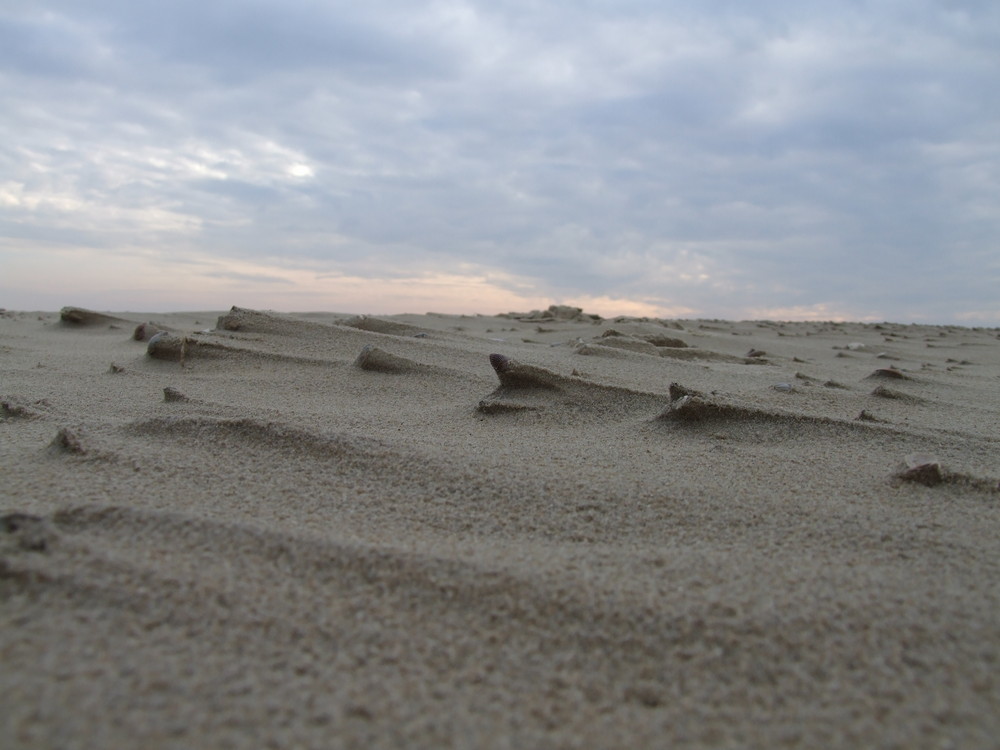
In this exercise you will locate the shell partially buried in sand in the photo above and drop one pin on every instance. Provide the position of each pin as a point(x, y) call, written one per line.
point(146, 331)
point(889, 373)
point(164, 345)
point(79, 316)
point(532, 388)
point(689, 405)
point(520, 379)
point(168, 346)
point(925, 470)
point(374, 359)
point(513, 374)
point(172, 395)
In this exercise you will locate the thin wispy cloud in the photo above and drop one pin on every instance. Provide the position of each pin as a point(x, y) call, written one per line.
point(711, 158)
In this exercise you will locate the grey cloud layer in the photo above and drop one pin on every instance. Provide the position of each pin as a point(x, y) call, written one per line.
point(707, 154)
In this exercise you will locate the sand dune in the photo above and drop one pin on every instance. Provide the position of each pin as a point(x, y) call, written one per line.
point(248, 529)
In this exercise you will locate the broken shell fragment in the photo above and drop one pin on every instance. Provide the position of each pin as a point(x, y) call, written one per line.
point(171, 394)
point(78, 316)
point(500, 363)
point(888, 372)
point(165, 345)
point(514, 375)
point(924, 470)
point(146, 331)
point(377, 360)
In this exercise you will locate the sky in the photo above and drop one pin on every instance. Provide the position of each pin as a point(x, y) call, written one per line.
point(775, 159)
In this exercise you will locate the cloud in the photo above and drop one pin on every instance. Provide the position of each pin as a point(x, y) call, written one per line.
point(714, 157)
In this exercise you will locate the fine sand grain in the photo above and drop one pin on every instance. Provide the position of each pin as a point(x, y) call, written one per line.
point(249, 529)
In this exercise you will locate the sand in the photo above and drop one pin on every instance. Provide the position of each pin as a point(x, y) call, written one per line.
point(325, 530)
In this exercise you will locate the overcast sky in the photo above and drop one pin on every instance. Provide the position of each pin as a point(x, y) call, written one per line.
point(694, 158)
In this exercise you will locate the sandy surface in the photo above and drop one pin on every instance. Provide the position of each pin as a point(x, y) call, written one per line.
point(334, 531)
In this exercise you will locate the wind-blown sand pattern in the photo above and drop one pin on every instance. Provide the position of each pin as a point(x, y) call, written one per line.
point(258, 530)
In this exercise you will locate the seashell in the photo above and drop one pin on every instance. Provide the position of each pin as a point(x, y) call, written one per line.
point(500, 363)
point(925, 470)
point(165, 345)
point(377, 360)
point(68, 440)
point(146, 331)
point(888, 372)
point(157, 338)
point(515, 375)
point(678, 391)
point(79, 316)
point(666, 341)
point(171, 394)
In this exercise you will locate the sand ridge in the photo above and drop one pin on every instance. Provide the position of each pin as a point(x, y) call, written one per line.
point(528, 530)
